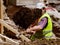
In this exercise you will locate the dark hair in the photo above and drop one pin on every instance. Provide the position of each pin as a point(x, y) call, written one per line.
point(25, 16)
point(37, 13)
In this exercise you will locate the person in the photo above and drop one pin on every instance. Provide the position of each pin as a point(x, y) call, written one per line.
point(43, 29)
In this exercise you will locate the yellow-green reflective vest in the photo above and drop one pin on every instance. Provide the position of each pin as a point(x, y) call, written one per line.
point(47, 31)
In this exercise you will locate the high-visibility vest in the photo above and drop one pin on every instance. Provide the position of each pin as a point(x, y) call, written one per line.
point(47, 31)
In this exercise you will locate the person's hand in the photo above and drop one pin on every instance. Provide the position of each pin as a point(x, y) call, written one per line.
point(30, 31)
point(33, 32)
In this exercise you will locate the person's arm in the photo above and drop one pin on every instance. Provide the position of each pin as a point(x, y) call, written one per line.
point(40, 25)
point(35, 28)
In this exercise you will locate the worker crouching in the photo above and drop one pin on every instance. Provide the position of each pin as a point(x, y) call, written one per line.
point(43, 28)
